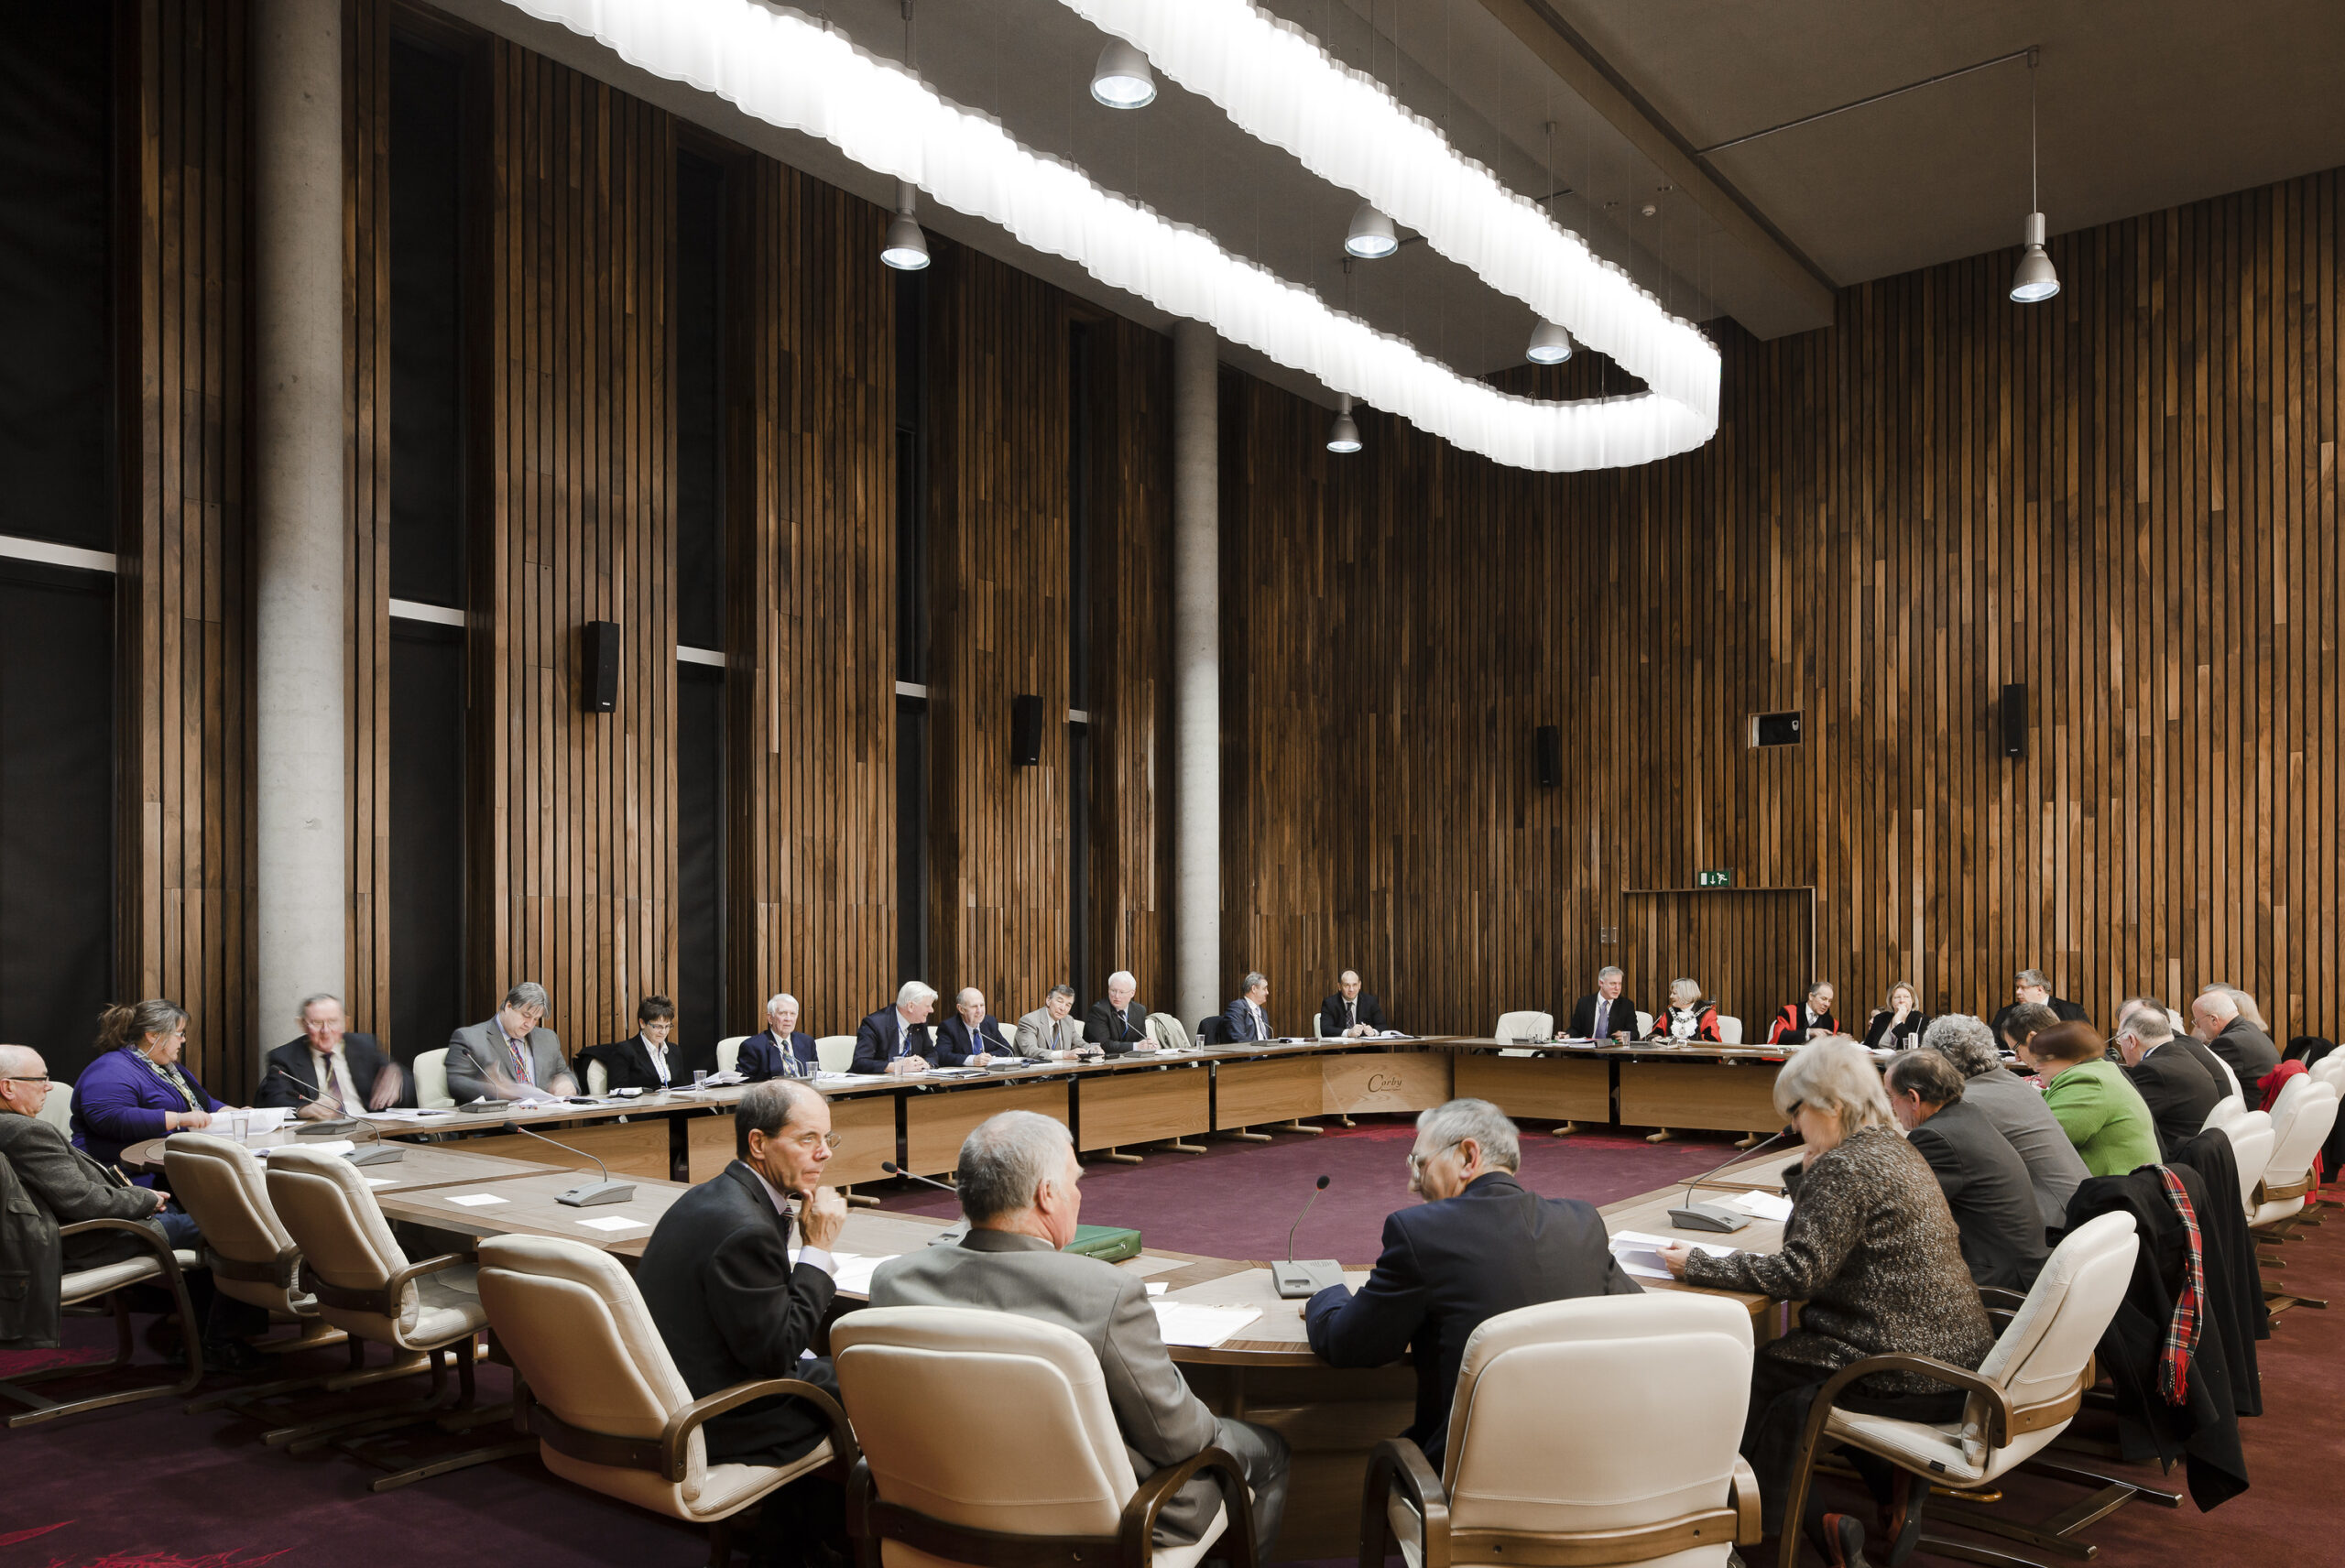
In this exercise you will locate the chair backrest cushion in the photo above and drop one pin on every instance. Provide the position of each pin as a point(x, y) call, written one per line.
point(926, 1388)
point(2300, 1124)
point(1525, 1026)
point(2228, 1109)
point(835, 1052)
point(728, 1052)
point(57, 1109)
point(1166, 1031)
point(2251, 1137)
point(1655, 1385)
point(225, 1190)
point(431, 1079)
point(2042, 1351)
point(330, 1214)
point(1730, 1029)
point(598, 1077)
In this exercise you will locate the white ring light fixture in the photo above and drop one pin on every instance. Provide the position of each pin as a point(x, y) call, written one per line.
point(792, 71)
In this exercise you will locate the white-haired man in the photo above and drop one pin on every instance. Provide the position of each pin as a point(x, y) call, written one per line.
point(1116, 1022)
point(1605, 1014)
point(899, 1039)
point(781, 1049)
point(1021, 1188)
point(2216, 1018)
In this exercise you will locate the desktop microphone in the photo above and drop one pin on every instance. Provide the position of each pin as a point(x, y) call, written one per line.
point(380, 1154)
point(586, 1194)
point(1294, 1281)
point(951, 1235)
point(1691, 1215)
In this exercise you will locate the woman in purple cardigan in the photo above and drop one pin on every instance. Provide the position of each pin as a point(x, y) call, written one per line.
point(136, 1089)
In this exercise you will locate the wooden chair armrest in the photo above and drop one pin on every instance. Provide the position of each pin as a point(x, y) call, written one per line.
point(414, 1271)
point(152, 1239)
point(676, 1436)
point(384, 1302)
point(1742, 1496)
point(1136, 1529)
point(1999, 1404)
point(1399, 1465)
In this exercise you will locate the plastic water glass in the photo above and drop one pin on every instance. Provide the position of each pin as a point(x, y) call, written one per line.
point(240, 1124)
point(700, 1080)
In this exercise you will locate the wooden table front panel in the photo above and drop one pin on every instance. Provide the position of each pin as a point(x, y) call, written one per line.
point(866, 1126)
point(637, 1148)
point(1398, 1084)
point(1248, 1094)
point(1709, 1096)
point(1548, 1087)
point(935, 1123)
point(1145, 1108)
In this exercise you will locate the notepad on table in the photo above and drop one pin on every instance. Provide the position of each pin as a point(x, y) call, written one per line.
point(1638, 1253)
point(475, 1200)
point(1766, 1205)
point(612, 1222)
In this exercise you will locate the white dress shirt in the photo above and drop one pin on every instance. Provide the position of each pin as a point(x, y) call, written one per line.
point(780, 1200)
point(658, 1054)
point(331, 1070)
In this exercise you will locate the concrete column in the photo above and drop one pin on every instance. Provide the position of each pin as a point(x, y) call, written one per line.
point(1197, 980)
point(302, 613)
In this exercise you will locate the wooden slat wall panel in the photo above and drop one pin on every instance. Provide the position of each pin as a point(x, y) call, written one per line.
point(2126, 499)
point(186, 928)
point(811, 837)
point(575, 856)
point(1754, 946)
point(366, 113)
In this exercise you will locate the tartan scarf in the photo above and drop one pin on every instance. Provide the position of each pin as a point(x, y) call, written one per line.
point(2189, 1302)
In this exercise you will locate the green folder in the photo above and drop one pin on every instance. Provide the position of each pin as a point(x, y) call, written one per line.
point(1108, 1244)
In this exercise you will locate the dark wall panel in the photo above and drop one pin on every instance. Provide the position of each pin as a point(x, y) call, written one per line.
point(426, 737)
point(700, 1019)
point(425, 248)
point(700, 401)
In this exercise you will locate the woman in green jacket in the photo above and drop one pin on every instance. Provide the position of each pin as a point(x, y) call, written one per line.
point(2102, 1113)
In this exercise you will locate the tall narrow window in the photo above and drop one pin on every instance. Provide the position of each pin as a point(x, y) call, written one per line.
point(58, 497)
point(1080, 349)
point(700, 609)
point(426, 995)
point(911, 625)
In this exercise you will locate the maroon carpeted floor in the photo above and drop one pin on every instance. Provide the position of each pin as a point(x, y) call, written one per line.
point(146, 1486)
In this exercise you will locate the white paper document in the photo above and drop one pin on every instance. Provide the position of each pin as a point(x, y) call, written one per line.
point(1156, 1287)
point(475, 1200)
point(318, 1146)
point(852, 1270)
point(1185, 1323)
point(377, 1180)
point(612, 1222)
point(1640, 1254)
point(1766, 1205)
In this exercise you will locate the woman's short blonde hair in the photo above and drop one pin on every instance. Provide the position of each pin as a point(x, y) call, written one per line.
point(1836, 1075)
point(1681, 986)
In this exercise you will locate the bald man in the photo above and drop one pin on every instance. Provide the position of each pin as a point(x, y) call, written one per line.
point(2215, 1019)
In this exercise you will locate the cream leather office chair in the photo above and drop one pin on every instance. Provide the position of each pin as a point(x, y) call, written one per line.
point(1523, 1025)
point(2230, 1108)
point(1644, 1023)
point(608, 1407)
point(366, 1287)
point(1168, 1032)
point(2022, 1395)
point(431, 1080)
point(2302, 1119)
point(925, 1388)
point(835, 1052)
point(2251, 1137)
point(598, 1078)
point(57, 1109)
point(728, 1052)
point(153, 1263)
point(1730, 1029)
point(1643, 1468)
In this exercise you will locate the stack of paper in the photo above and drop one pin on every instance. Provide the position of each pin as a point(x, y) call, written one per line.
point(315, 1145)
point(851, 1271)
point(1639, 1253)
point(1766, 1205)
point(1185, 1323)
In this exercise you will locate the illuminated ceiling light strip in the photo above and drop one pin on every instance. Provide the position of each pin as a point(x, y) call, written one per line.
point(1277, 85)
point(792, 71)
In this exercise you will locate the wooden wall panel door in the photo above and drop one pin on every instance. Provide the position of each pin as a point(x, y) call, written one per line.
point(575, 877)
point(1751, 949)
point(187, 924)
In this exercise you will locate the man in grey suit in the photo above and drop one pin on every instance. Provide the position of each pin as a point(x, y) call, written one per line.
point(1019, 1187)
point(509, 1057)
point(2216, 1018)
point(1049, 1033)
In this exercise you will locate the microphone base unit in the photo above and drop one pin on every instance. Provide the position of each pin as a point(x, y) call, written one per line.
point(1294, 1281)
point(377, 1154)
point(326, 1129)
point(588, 1194)
point(951, 1235)
point(1707, 1216)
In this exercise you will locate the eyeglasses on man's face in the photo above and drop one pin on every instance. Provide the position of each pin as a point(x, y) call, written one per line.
point(43, 1079)
point(1417, 1162)
point(809, 1141)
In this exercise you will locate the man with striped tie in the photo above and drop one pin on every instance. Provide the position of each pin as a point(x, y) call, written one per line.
point(329, 1072)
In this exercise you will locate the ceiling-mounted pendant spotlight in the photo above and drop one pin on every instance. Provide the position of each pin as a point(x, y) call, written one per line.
point(1550, 345)
point(1343, 434)
point(2035, 280)
point(1371, 234)
point(1122, 80)
point(906, 248)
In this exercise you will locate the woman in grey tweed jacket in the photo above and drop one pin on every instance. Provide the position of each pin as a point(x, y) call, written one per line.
point(1871, 1248)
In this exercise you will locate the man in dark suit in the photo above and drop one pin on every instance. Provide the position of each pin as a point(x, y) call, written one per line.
point(781, 1049)
point(2216, 1018)
point(2032, 989)
point(1020, 1189)
point(899, 1039)
point(1605, 1014)
point(1985, 1181)
point(730, 1306)
point(2179, 1091)
point(1249, 1017)
point(643, 1060)
point(329, 1070)
point(972, 1036)
point(1117, 1023)
point(1351, 1012)
point(1482, 1244)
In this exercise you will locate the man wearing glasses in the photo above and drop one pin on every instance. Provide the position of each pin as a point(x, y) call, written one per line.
point(731, 1306)
point(1481, 1244)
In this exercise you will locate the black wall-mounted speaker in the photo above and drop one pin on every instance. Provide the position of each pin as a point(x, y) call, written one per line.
point(1551, 756)
point(1025, 730)
point(2014, 710)
point(602, 667)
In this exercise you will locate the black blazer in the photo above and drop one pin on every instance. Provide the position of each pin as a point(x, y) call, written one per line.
point(2196, 1049)
point(1101, 1026)
point(2067, 1012)
point(2179, 1093)
point(1331, 1021)
point(1987, 1185)
point(2251, 1053)
point(1905, 1037)
point(717, 1278)
point(763, 1057)
point(874, 1041)
point(953, 1047)
point(366, 1058)
point(1448, 1266)
point(1621, 1020)
point(627, 1063)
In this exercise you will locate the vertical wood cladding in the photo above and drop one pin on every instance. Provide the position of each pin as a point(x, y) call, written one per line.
point(366, 117)
point(2126, 498)
point(1752, 945)
point(186, 722)
point(810, 501)
point(574, 863)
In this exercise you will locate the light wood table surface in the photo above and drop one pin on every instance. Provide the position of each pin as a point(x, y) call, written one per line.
point(420, 1165)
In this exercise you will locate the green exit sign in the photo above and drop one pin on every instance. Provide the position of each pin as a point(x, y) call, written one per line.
point(1718, 876)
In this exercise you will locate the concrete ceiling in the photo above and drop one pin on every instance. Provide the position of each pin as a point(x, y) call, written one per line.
point(2144, 105)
